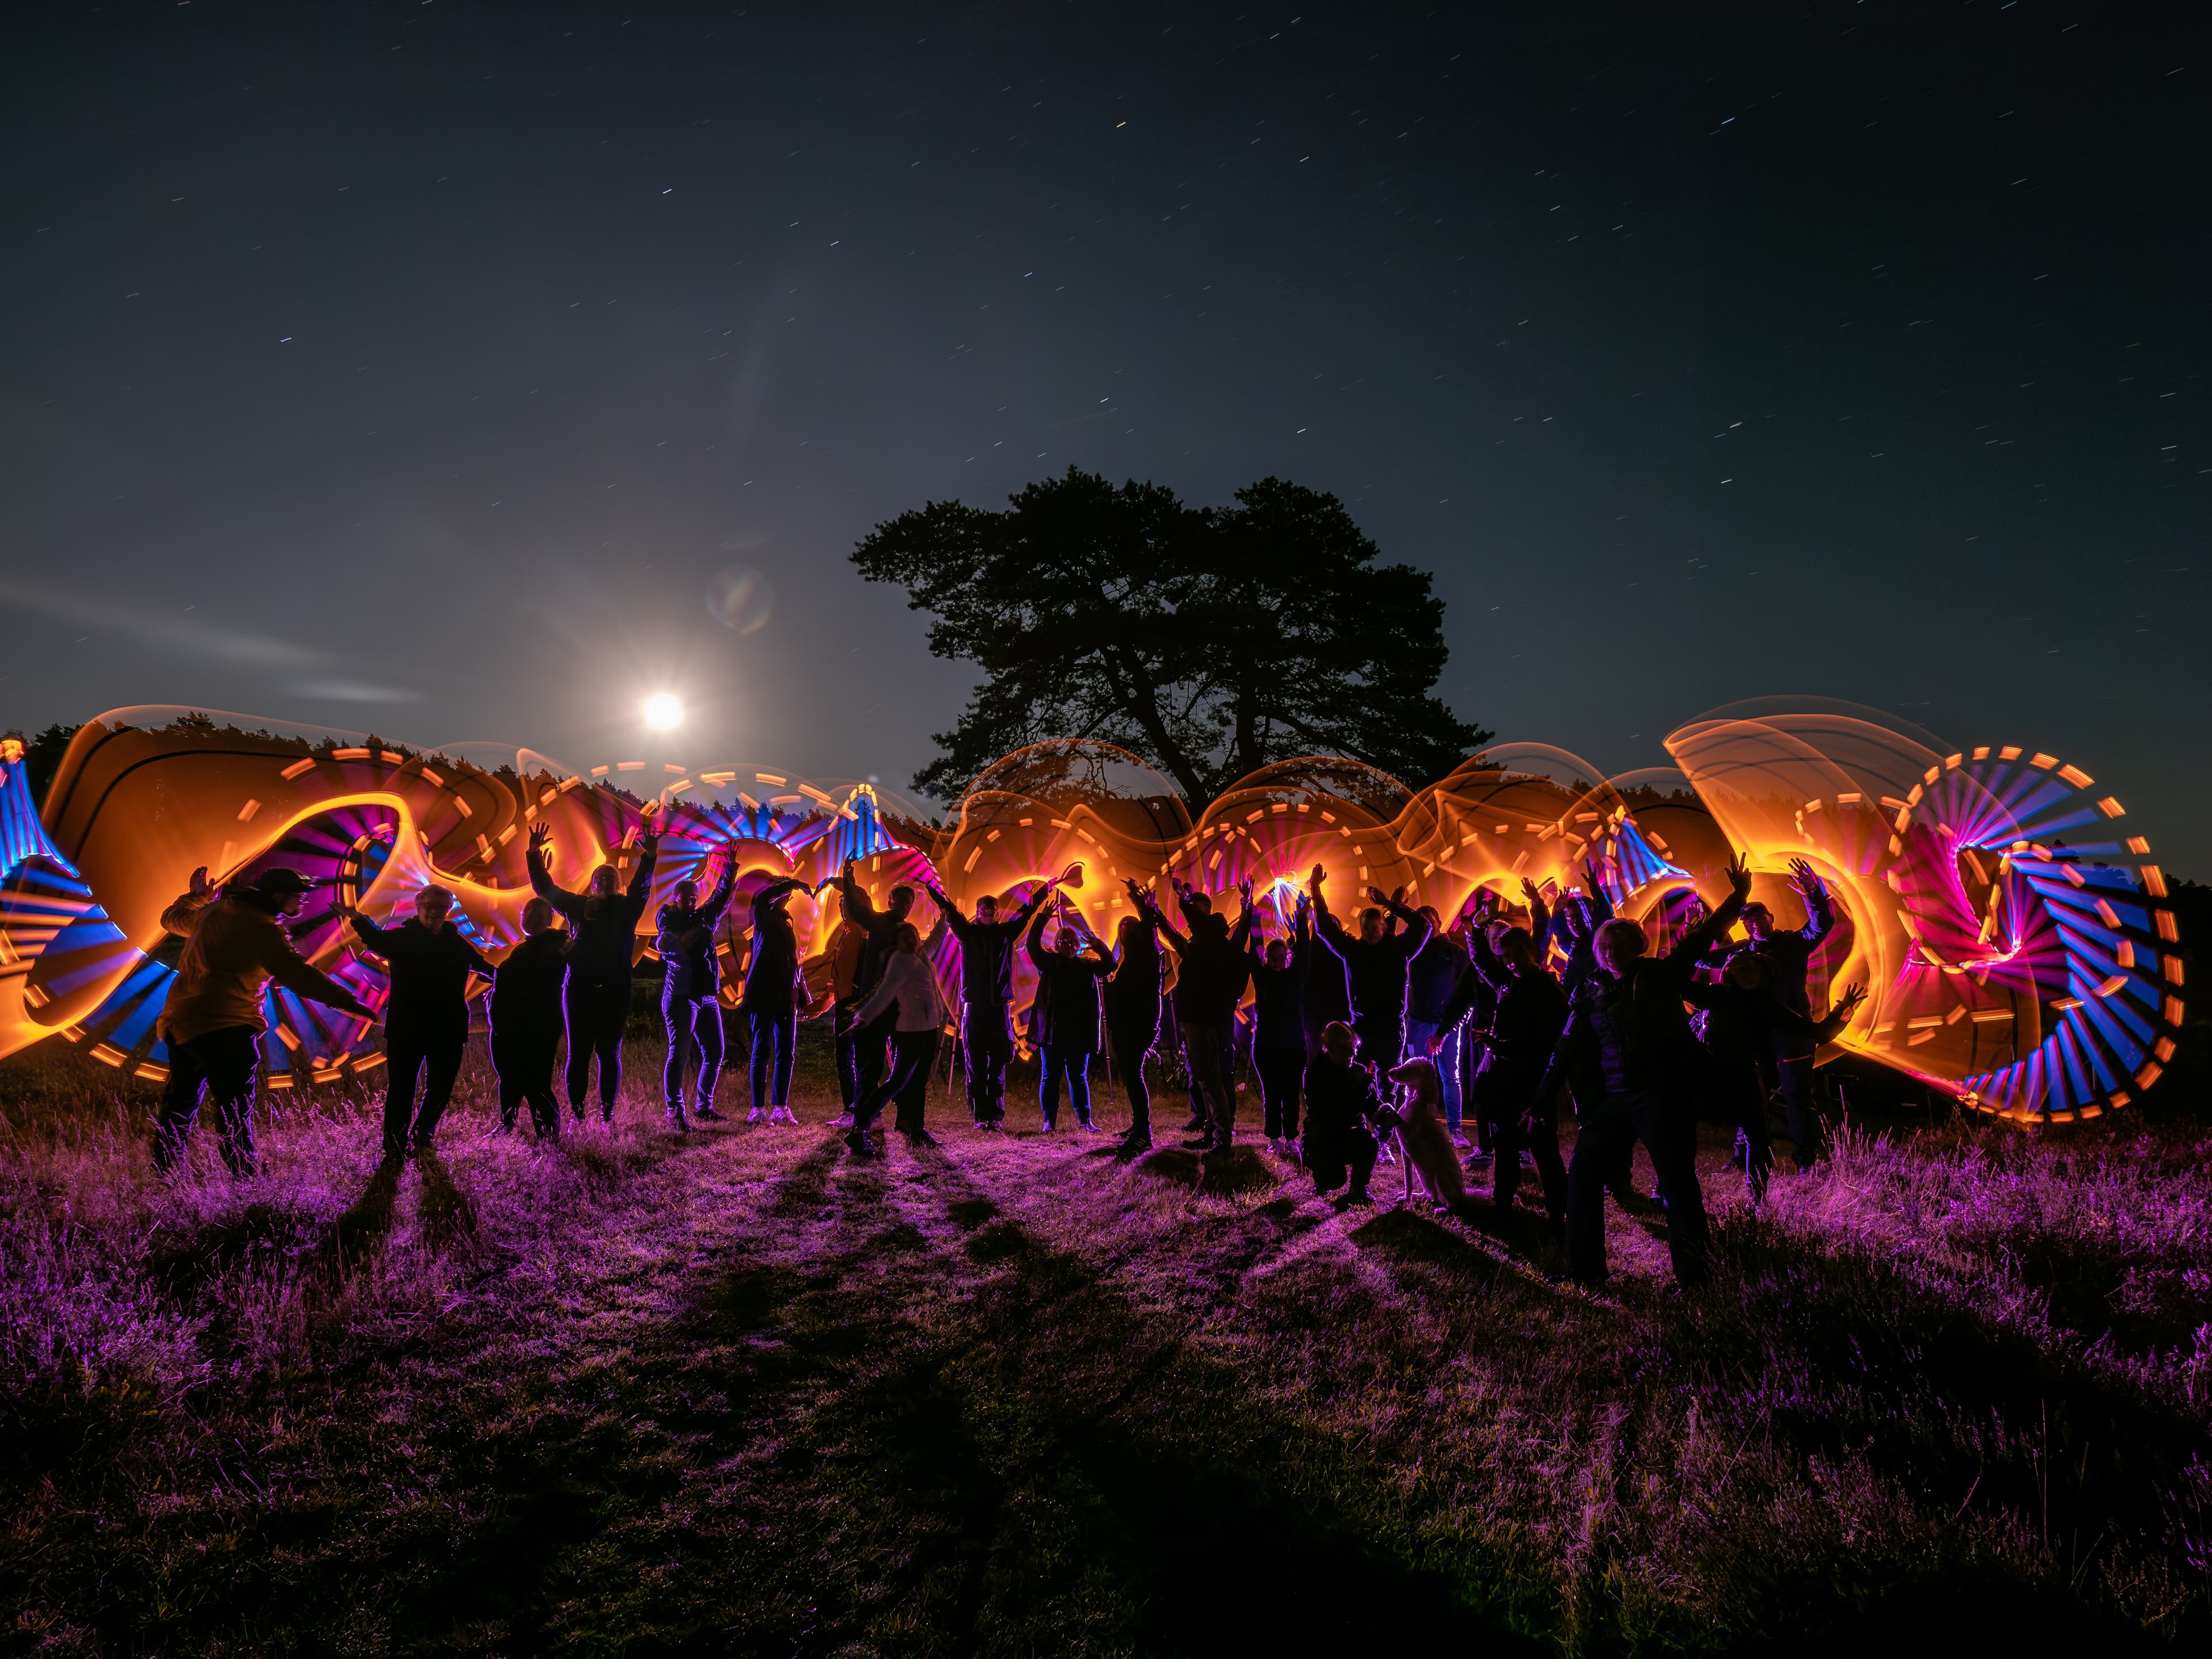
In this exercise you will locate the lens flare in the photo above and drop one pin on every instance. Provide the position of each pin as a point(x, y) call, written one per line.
point(663, 713)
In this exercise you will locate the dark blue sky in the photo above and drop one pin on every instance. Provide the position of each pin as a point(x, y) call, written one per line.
point(418, 366)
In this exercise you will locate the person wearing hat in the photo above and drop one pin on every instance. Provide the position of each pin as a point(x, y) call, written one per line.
point(213, 1021)
point(426, 1019)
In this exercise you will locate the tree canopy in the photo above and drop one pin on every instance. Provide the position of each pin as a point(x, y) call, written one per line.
point(1210, 640)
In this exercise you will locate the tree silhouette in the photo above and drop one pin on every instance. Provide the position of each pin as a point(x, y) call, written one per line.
point(1210, 640)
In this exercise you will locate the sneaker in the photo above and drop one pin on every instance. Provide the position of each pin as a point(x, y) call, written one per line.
point(1478, 1158)
point(708, 1114)
point(757, 1115)
point(919, 1138)
point(861, 1146)
point(1203, 1144)
point(991, 1125)
point(1461, 1140)
point(1137, 1141)
point(1197, 1122)
point(1086, 1126)
point(780, 1114)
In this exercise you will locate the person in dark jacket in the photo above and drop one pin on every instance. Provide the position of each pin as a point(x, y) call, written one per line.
point(1746, 1018)
point(1527, 1013)
point(1628, 1055)
point(1069, 1016)
point(1581, 918)
point(1788, 953)
point(986, 995)
point(1210, 975)
point(691, 994)
point(526, 1021)
point(1434, 978)
point(1377, 965)
point(774, 991)
point(1132, 1016)
point(426, 1023)
point(1279, 1037)
point(1328, 993)
point(602, 953)
point(1342, 1109)
point(879, 929)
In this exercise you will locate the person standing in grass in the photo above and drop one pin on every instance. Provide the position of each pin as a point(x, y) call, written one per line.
point(879, 932)
point(1378, 965)
point(1788, 953)
point(1132, 1016)
point(691, 994)
point(602, 955)
point(426, 1021)
point(1279, 1040)
point(906, 1002)
point(1745, 1021)
point(775, 992)
point(526, 1021)
point(213, 1021)
point(1527, 1012)
point(986, 995)
point(1628, 1051)
point(1210, 973)
point(1070, 1025)
point(1342, 1109)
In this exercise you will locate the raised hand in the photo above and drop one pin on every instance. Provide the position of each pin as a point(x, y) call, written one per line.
point(1314, 881)
point(1804, 878)
point(1397, 895)
point(202, 887)
point(1374, 895)
point(1592, 877)
point(540, 835)
point(1739, 875)
point(1848, 1003)
point(1529, 887)
point(1244, 893)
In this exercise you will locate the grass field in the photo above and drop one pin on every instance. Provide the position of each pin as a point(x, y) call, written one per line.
point(736, 1393)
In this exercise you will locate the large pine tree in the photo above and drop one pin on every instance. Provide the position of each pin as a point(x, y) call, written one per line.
point(1209, 640)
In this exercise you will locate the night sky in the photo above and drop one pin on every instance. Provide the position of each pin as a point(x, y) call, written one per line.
point(420, 367)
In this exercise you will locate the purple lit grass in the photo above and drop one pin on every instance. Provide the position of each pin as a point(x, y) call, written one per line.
point(739, 1393)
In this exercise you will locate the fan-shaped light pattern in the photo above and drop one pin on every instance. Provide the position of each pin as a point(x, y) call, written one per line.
point(2015, 940)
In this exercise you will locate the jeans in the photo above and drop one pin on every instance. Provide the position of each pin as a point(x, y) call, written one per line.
point(1074, 1065)
point(1130, 1049)
point(1524, 1121)
point(523, 1057)
point(1202, 1046)
point(1282, 1073)
point(774, 1038)
point(987, 1044)
point(407, 1062)
point(1736, 1096)
point(870, 1054)
point(1663, 1123)
point(691, 1022)
point(914, 1053)
point(225, 1063)
point(596, 1015)
point(1796, 1075)
point(848, 1053)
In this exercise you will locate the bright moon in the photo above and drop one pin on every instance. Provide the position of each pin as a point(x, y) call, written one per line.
point(663, 713)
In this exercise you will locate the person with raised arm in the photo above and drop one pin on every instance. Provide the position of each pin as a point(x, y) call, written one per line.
point(879, 930)
point(1788, 953)
point(1069, 1025)
point(774, 992)
point(526, 1021)
point(691, 993)
point(213, 1020)
point(1209, 980)
point(1279, 1038)
point(906, 1001)
point(1581, 918)
point(426, 1020)
point(1628, 1055)
point(1133, 1016)
point(1746, 1016)
point(1527, 1012)
point(602, 956)
point(1378, 965)
point(986, 995)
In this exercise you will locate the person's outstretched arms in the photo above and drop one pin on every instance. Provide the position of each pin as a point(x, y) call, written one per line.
point(565, 903)
point(1694, 943)
point(1325, 923)
point(1035, 902)
point(284, 964)
point(1417, 927)
point(372, 937)
point(1820, 912)
point(1821, 1031)
point(1158, 918)
point(1540, 917)
point(1034, 943)
point(641, 883)
point(719, 900)
point(1601, 906)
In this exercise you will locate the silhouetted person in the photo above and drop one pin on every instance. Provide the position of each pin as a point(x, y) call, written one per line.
point(1581, 918)
point(905, 1001)
point(986, 994)
point(691, 994)
point(1527, 1013)
point(1279, 1036)
point(1068, 1019)
point(775, 992)
point(1434, 978)
point(602, 954)
point(1210, 975)
point(1746, 1020)
point(1629, 1055)
point(526, 1021)
point(1789, 957)
point(1132, 1016)
point(880, 933)
point(426, 1020)
point(1342, 1110)
point(1378, 964)
point(213, 1021)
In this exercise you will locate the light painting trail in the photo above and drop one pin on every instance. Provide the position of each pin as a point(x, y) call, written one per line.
point(2012, 935)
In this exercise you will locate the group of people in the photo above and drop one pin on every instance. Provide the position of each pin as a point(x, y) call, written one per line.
point(1394, 1032)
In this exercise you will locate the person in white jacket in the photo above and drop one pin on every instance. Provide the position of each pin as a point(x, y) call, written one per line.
point(909, 983)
